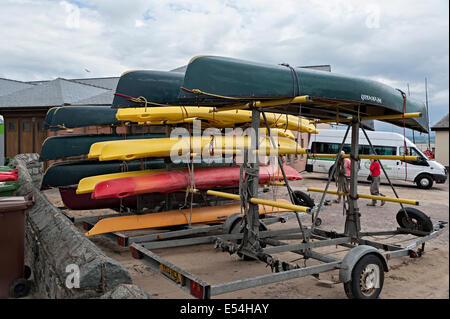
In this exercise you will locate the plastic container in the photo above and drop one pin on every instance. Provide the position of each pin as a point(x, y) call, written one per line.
point(13, 272)
point(9, 188)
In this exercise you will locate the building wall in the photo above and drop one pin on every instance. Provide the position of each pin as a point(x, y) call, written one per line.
point(442, 148)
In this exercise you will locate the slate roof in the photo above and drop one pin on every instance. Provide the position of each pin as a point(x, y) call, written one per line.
point(11, 86)
point(52, 93)
point(105, 98)
point(109, 83)
point(442, 124)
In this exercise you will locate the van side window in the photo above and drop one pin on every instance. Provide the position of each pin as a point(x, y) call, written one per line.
point(328, 148)
point(421, 161)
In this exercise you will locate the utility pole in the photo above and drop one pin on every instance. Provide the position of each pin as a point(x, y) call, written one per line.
point(428, 113)
point(414, 138)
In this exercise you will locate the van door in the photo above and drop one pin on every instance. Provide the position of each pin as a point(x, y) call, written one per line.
point(410, 169)
point(388, 165)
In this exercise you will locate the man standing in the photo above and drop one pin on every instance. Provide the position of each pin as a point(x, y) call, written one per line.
point(375, 181)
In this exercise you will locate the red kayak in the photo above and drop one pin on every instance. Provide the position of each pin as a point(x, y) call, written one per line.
point(167, 182)
point(9, 176)
point(75, 201)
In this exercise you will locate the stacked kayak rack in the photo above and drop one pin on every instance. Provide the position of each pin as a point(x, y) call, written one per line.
point(222, 204)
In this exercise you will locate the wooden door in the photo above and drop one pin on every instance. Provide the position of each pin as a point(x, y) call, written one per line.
point(11, 137)
point(26, 136)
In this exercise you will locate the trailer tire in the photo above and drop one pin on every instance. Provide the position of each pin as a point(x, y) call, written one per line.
point(237, 228)
point(303, 199)
point(419, 220)
point(367, 278)
point(424, 181)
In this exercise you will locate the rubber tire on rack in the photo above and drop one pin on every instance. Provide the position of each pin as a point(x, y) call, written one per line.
point(421, 221)
point(20, 288)
point(353, 289)
point(303, 199)
point(427, 177)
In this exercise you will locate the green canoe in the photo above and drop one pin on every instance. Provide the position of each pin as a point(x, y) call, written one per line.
point(71, 172)
point(9, 188)
point(244, 81)
point(155, 86)
point(80, 116)
point(56, 147)
point(6, 168)
point(160, 88)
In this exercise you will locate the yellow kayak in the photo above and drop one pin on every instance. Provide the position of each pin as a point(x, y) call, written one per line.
point(87, 184)
point(178, 114)
point(127, 150)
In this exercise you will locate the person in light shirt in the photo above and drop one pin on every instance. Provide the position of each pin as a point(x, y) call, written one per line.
point(342, 176)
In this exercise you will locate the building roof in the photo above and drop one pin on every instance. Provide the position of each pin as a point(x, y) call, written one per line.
point(105, 98)
point(10, 86)
point(109, 83)
point(52, 93)
point(442, 124)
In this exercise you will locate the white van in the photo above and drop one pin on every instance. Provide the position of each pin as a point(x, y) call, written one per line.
point(423, 172)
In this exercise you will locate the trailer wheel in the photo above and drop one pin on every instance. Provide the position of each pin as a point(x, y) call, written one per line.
point(237, 228)
point(424, 181)
point(367, 278)
point(418, 220)
point(303, 199)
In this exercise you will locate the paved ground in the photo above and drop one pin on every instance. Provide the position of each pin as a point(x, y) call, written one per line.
point(426, 277)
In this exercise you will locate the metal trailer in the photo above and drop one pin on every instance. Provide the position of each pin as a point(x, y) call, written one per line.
point(361, 270)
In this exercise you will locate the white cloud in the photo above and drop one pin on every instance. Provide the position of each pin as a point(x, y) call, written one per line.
point(398, 42)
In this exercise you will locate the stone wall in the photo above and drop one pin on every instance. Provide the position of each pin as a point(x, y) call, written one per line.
point(53, 243)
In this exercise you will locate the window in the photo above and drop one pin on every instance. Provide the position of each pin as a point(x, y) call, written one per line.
point(412, 151)
point(11, 126)
point(333, 148)
point(26, 126)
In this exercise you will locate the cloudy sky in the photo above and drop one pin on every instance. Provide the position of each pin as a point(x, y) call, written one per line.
point(396, 42)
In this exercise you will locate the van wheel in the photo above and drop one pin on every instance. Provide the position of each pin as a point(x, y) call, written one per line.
point(424, 181)
point(417, 220)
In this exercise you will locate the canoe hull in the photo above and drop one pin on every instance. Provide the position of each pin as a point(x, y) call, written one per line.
point(249, 80)
point(56, 147)
point(80, 116)
point(71, 172)
point(167, 182)
point(206, 215)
